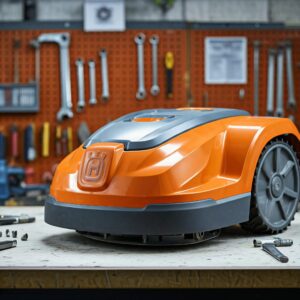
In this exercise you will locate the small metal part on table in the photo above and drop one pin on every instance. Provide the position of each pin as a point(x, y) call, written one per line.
point(24, 237)
point(14, 233)
point(7, 233)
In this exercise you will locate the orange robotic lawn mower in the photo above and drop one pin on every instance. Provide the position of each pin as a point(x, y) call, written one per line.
point(177, 176)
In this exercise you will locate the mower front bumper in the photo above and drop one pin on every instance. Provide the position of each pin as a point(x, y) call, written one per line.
point(155, 219)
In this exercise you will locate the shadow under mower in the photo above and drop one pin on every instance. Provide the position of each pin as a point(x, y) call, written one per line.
point(177, 176)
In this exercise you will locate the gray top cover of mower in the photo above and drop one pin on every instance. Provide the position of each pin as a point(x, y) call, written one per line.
point(145, 135)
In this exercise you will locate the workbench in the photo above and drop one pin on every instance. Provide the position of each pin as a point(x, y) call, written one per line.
point(56, 257)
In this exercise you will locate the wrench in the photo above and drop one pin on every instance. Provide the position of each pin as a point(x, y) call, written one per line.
point(63, 41)
point(270, 92)
point(104, 74)
point(256, 48)
point(154, 40)
point(279, 90)
point(140, 40)
point(80, 83)
point(92, 78)
point(290, 79)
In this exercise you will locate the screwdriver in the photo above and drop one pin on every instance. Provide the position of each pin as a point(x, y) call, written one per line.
point(29, 143)
point(45, 139)
point(70, 139)
point(58, 150)
point(14, 131)
point(2, 146)
point(169, 65)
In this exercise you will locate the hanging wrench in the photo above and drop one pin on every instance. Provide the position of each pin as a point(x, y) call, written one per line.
point(104, 74)
point(270, 92)
point(279, 89)
point(140, 40)
point(92, 78)
point(290, 79)
point(154, 40)
point(256, 47)
point(80, 83)
point(63, 40)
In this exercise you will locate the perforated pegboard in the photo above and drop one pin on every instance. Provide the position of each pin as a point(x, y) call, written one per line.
point(122, 65)
point(228, 95)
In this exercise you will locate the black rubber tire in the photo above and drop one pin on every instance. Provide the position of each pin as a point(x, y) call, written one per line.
point(275, 190)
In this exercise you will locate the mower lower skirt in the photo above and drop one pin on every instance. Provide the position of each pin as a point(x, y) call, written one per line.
point(155, 219)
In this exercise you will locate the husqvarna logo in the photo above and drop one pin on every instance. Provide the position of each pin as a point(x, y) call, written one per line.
point(95, 166)
point(94, 169)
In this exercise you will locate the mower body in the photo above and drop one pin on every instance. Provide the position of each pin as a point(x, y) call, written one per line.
point(164, 172)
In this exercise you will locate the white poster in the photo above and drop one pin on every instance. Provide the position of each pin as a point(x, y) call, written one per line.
point(225, 60)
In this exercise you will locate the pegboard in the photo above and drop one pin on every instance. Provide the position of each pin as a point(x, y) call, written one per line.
point(188, 48)
point(122, 66)
point(228, 95)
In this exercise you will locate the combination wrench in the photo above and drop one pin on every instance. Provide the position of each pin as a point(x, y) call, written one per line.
point(80, 84)
point(290, 78)
point(104, 74)
point(63, 41)
point(279, 88)
point(270, 91)
point(154, 40)
point(256, 50)
point(140, 40)
point(92, 78)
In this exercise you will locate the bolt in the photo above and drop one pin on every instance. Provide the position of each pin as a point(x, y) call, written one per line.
point(24, 237)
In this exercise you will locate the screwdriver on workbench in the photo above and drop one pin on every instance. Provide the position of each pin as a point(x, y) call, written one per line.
point(169, 65)
point(58, 145)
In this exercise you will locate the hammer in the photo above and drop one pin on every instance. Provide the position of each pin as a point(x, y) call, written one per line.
point(269, 246)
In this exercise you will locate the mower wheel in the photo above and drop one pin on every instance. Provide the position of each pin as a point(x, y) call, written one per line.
point(275, 189)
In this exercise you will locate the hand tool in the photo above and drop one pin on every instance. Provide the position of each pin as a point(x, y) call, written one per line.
point(29, 143)
point(14, 131)
point(271, 74)
point(64, 142)
point(15, 219)
point(70, 139)
point(154, 40)
point(169, 65)
point(58, 146)
point(24, 237)
point(83, 132)
point(269, 246)
point(2, 146)
point(16, 46)
point(290, 77)
point(256, 50)
point(8, 244)
point(104, 75)
point(14, 233)
point(80, 84)
point(63, 41)
point(92, 78)
point(140, 40)
point(45, 139)
point(279, 88)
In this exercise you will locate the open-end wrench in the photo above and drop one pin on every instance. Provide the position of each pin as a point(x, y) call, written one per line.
point(63, 40)
point(140, 40)
point(104, 74)
point(154, 40)
point(271, 74)
point(256, 48)
point(80, 84)
point(279, 88)
point(92, 77)
point(290, 78)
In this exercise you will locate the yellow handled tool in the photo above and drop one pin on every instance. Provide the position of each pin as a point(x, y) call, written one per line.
point(169, 65)
point(46, 139)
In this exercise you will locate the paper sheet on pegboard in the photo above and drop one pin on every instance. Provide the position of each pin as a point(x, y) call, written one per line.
point(225, 60)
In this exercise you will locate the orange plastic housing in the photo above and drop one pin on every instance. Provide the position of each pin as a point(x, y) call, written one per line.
point(213, 161)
